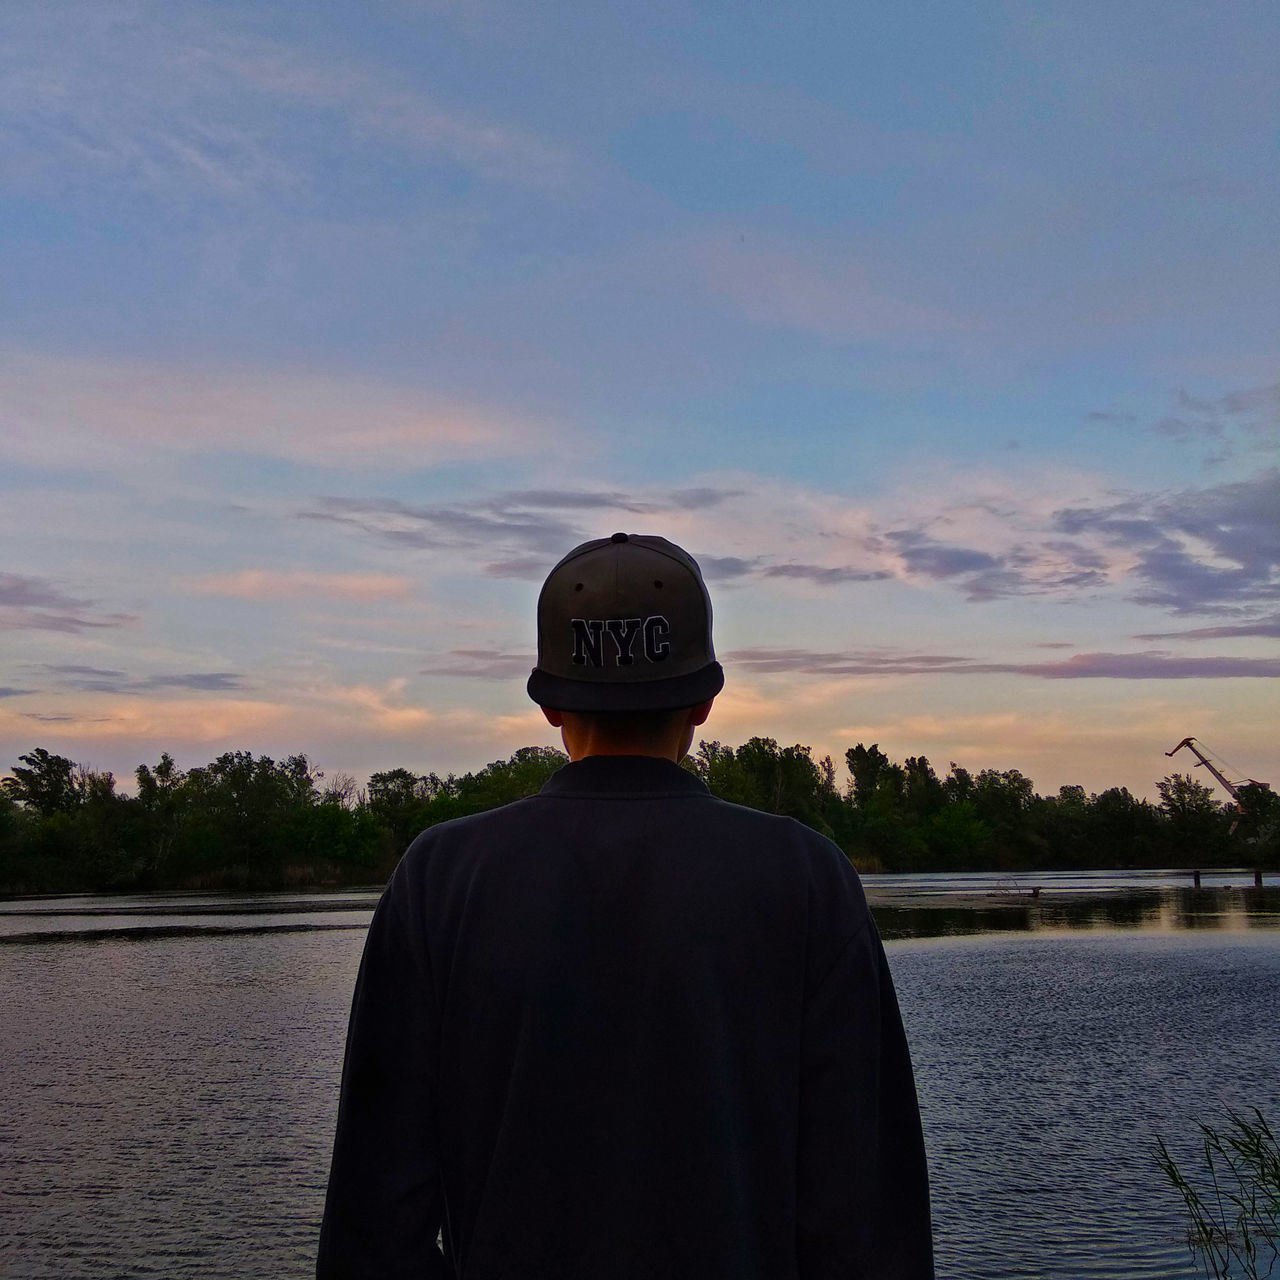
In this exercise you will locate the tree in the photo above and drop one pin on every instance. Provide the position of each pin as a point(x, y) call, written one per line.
point(47, 785)
point(398, 800)
point(1005, 800)
point(502, 781)
point(13, 841)
point(160, 799)
point(1064, 824)
point(253, 815)
point(762, 775)
point(958, 784)
point(922, 793)
point(106, 831)
point(872, 771)
point(341, 790)
point(955, 838)
point(1259, 827)
point(1123, 830)
point(1194, 818)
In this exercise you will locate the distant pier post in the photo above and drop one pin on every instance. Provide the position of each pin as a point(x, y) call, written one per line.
point(1195, 878)
point(1257, 877)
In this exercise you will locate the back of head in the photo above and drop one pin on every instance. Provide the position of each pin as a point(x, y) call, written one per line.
point(624, 628)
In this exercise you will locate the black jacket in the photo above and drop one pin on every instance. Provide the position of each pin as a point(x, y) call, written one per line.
point(623, 1030)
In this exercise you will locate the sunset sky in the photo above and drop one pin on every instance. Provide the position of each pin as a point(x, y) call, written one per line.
point(947, 337)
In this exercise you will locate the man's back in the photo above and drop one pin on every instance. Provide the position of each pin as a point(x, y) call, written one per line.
point(622, 1029)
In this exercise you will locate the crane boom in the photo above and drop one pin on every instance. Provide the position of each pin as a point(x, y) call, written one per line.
point(1190, 744)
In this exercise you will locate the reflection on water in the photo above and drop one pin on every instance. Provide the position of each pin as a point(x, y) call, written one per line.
point(1152, 910)
point(967, 883)
point(98, 917)
point(915, 906)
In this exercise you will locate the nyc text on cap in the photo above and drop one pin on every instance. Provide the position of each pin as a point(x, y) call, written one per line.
point(624, 624)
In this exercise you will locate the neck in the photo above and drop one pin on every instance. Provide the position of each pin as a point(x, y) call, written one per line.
point(663, 735)
point(587, 737)
point(597, 744)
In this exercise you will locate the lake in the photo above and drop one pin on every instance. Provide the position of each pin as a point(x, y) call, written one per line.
point(172, 1061)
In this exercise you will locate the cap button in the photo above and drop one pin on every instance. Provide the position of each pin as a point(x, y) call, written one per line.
point(618, 537)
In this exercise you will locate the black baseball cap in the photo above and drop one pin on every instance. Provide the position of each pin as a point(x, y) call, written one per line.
point(624, 624)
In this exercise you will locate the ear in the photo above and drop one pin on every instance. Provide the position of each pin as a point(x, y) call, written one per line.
point(556, 718)
point(699, 714)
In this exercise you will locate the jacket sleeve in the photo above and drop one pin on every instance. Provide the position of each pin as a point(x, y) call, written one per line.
point(863, 1208)
point(383, 1210)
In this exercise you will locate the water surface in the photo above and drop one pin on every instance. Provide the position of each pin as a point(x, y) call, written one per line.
point(171, 1069)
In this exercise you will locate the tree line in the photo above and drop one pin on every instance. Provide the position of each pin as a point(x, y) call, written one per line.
point(251, 822)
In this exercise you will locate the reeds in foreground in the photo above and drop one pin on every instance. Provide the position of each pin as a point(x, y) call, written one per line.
point(1233, 1201)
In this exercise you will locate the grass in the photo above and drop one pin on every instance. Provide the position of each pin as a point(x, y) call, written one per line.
point(1233, 1199)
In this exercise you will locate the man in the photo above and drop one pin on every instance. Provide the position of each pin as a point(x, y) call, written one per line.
point(622, 1030)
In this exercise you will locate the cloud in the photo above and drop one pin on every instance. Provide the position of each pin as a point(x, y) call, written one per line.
point(8, 691)
point(1147, 665)
point(1248, 419)
point(999, 540)
point(823, 575)
point(1182, 430)
point(528, 568)
point(770, 661)
point(933, 560)
point(186, 111)
point(207, 681)
point(271, 584)
point(35, 604)
point(62, 409)
point(1026, 566)
point(1197, 551)
point(519, 533)
point(107, 680)
point(502, 665)
point(76, 669)
point(17, 591)
point(70, 675)
point(1251, 416)
point(616, 500)
point(1151, 665)
point(483, 664)
point(371, 105)
point(150, 720)
point(439, 527)
point(726, 568)
point(1267, 628)
point(378, 707)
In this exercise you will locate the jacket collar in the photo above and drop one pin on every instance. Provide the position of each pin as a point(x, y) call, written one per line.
point(623, 776)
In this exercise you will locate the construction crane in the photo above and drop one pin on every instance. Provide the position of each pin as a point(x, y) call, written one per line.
point(1231, 788)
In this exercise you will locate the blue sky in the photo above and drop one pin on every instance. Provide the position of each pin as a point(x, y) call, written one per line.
point(946, 337)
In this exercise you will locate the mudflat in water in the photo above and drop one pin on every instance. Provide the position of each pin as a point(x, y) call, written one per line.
point(172, 1064)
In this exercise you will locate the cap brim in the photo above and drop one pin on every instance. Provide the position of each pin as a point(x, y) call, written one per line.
point(640, 695)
